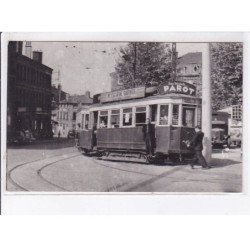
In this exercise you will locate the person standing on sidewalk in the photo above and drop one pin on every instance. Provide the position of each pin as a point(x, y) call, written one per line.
point(197, 145)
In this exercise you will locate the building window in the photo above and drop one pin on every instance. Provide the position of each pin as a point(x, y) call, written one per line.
point(175, 117)
point(140, 116)
point(18, 71)
point(115, 118)
point(164, 115)
point(22, 72)
point(188, 117)
point(237, 113)
point(127, 117)
point(103, 119)
point(74, 115)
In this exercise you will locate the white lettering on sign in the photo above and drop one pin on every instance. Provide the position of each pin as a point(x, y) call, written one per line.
point(178, 87)
point(191, 91)
point(123, 95)
point(166, 88)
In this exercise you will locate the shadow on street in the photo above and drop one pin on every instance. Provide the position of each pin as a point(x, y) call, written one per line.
point(46, 144)
point(219, 163)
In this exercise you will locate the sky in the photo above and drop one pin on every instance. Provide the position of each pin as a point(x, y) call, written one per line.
point(86, 66)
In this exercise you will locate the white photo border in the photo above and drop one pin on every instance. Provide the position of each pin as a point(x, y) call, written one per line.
point(126, 203)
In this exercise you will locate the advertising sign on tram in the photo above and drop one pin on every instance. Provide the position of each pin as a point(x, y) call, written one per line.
point(177, 88)
point(124, 94)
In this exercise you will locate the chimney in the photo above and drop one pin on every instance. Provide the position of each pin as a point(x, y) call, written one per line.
point(38, 56)
point(28, 49)
point(87, 93)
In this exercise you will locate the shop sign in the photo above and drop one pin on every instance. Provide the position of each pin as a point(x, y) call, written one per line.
point(125, 94)
point(177, 88)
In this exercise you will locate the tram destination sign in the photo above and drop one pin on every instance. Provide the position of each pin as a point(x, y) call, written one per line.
point(124, 94)
point(178, 88)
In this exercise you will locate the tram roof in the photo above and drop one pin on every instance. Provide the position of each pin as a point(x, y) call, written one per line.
point(148, 98)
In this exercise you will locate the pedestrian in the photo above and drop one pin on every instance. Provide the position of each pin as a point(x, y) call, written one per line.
point(149, 136)
point(59, 134)
point(197, 146)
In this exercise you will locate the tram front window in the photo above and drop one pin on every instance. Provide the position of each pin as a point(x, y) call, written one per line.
point(127, 117)
point(188, 117)
point(140, 116)
point(82, 121)
point(164, 115)
point(175, 118)
point(103, 119)
point(115, 118)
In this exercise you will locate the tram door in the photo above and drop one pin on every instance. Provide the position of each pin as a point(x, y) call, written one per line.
point(153, 117)
point(153, 113)
point(95, 128)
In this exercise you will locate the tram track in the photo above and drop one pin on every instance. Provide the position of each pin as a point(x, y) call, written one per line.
point(19, 186)
point(120, 169)
point(153, 177)
point(39, 172)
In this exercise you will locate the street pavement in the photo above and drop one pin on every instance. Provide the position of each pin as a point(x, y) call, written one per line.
point(57, 166)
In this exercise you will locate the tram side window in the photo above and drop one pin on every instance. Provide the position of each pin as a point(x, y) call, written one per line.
point(115, 118)
point(164, 115)
point(199, 116)
point(140, 116)
point(175, 118)
point(86, 121)
point(188, 117)
point(127, 117)
point(103, 119)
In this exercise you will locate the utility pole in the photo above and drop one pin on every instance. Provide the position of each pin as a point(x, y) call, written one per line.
point(134, 64)
point(206, 101)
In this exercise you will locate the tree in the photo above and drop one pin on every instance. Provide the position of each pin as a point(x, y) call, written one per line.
point(226, 74)
point(144, 64)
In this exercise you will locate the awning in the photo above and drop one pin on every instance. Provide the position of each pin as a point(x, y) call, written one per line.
point(218, 122)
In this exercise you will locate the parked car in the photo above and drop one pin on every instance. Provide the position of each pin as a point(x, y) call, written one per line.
point(22, 137)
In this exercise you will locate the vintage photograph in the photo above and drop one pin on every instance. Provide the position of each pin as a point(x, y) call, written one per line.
point(124, 117)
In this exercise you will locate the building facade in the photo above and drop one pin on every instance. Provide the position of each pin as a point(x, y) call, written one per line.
point(57, 96)
point(28, 92)
point(67, 113)
point(189, 69)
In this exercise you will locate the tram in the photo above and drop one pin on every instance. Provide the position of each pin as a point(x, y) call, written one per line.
point(113, 125)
